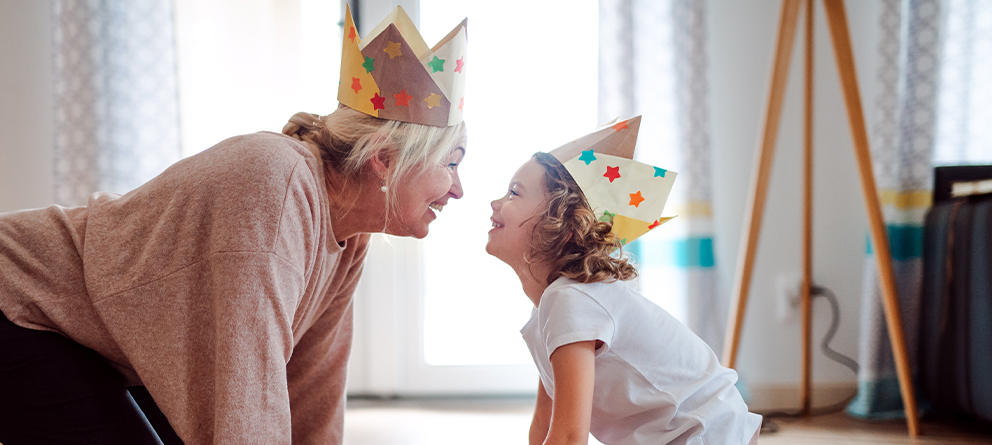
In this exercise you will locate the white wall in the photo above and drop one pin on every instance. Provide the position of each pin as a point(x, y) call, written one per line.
point(741, 45)
point(26, 121)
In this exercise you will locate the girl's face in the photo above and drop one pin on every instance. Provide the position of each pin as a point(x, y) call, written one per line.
point(514, 215)
point(418, 198)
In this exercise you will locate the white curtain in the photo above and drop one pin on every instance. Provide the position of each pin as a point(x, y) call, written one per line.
point(964, 135)
point(902, 149)
point(653, 62)
point(116, 111)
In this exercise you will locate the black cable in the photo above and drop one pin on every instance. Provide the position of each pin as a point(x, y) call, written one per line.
point(820, 291)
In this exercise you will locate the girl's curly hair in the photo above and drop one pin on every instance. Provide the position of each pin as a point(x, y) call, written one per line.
point(578, 245)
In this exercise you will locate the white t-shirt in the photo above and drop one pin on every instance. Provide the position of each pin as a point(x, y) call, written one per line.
point(656, 381)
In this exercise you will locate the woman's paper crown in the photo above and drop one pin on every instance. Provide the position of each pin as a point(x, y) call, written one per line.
point(394, 75)
point(631, 193)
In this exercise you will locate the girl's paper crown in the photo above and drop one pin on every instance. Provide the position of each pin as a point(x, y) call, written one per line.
point(631, 193)
point(394, 75)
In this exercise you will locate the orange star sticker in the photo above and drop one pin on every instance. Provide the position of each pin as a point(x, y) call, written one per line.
point(461, 103)
point(352, 34)
point(636, 199)
point(612, 173)
point(378, 102)
point(403, 99)
point(434, 100)
point(356, 84)
point(620, 126)
point(393, 49)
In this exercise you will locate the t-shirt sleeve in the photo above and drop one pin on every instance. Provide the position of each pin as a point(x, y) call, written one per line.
point(569, 315)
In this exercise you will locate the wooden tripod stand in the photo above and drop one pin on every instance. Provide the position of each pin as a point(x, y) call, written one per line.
point(837, 22)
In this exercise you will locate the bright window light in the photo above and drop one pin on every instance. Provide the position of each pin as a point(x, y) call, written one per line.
point(532, 86)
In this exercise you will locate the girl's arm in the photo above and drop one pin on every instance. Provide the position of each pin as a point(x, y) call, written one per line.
point(542, 416)
point(574, 370)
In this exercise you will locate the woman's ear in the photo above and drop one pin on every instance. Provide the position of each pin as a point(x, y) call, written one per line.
point(382, 158)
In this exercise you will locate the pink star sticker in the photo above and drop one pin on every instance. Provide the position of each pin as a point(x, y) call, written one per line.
point(378, 102)
point(459, 64)
point(461, 103)
point(612, 173)
point(636, 199)
point(356, 84)
point(403, 99)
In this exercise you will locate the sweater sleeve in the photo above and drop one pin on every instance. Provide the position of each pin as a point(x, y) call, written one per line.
point(318, 368)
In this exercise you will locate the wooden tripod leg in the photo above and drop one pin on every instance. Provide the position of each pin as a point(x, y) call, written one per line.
point(759, 179)
point(806, 387)
point(837, 21)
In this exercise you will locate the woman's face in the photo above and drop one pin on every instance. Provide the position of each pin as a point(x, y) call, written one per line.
point(419, 197)
point(514, 215)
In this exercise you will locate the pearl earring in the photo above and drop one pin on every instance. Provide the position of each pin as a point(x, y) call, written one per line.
point(382, 186)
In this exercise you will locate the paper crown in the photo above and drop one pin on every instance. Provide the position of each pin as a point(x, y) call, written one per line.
point(631, 193)
point(394, 75)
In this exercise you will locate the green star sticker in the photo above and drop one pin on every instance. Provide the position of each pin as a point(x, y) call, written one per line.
point(436, 64)
point(369, 67)
point(623, 242)
point(607, 216)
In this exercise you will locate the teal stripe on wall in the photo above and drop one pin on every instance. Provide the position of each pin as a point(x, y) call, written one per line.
point(695, 252)
point(905, 242)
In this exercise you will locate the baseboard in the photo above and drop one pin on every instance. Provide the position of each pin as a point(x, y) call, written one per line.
point(779, 397)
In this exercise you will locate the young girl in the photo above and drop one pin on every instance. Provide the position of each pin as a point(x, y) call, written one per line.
point(611, 362)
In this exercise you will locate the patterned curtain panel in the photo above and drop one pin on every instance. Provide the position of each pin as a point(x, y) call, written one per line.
point(653, 62)
point(116, 106)
point(964, 135)
point(903, 144)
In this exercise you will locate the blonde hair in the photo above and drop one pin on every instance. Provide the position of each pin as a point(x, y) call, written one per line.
point(348, 139)
point(568, 235)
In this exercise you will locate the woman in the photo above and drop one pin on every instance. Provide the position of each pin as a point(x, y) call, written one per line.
point(223, 286)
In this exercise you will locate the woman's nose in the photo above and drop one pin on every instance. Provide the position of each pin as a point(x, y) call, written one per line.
point(495, 204)
point(456, 187)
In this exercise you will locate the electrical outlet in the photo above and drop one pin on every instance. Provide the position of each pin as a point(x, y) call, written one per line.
point(787, 298)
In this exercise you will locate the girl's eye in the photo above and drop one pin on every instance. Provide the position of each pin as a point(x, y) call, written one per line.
point(513, 193)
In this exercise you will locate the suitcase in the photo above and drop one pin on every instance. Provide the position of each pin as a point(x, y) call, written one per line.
point(955, 356)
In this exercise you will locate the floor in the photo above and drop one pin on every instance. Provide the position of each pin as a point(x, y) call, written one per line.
point(505, 421)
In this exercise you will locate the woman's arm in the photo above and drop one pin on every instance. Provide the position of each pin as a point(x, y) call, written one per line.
point(574, 370)
point(542, 416)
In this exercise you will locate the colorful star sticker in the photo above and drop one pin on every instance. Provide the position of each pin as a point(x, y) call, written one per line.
point(402, 99)
point(623, 242)
point(436, 64)
point(612, 173)
point(356, 84)
point(461, 103)
point(636, 199)
point(659, 172)
point(607, 216)
point(352, 34)
point(434, 100)
point(620, 126)
point(656, 223)
point(393, 49)
point(368, 65)
point(587, 156)
point(378, 102)
point(459, 64)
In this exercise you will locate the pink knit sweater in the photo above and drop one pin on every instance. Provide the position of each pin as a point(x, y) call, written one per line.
point(218, 285)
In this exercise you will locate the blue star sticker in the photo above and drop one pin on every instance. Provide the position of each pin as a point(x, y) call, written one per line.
point(659, 172)
point(587, 156)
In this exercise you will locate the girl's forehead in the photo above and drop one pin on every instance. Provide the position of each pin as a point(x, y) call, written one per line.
point(528, 174)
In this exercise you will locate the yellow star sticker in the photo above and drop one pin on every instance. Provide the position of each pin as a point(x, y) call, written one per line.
point(434, 100)
point(393, 49)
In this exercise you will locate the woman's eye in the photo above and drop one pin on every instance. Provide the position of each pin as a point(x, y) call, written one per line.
point(452, 165)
